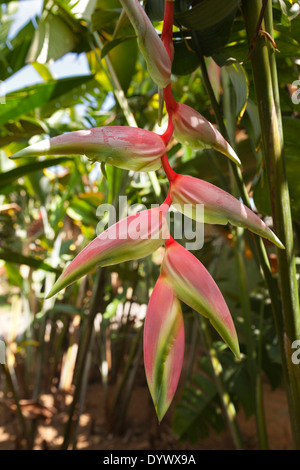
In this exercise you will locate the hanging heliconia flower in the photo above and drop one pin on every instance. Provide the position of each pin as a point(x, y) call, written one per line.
point(158, 62)
point(129, 148)
point(196, 132)
point(183, 278)
point(163, 345)
point(131, 238)
point(220, 207)
point(193, 284)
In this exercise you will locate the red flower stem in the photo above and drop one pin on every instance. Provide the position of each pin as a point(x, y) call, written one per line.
point(171, 104)
point(167, 39)
point(170, 173)
point(166, 136)
point(168, 200)
point(167, 32)
point(169, 241)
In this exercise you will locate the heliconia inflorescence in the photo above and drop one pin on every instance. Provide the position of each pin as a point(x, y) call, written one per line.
point(164, 344)
point(193, 130)
point(183, 277)
point(220, 207)
point(158, 62)
point(129, 148)
point(193, 284)
point(131, 238)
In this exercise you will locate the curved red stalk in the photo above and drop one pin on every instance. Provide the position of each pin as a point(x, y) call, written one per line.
point(167, 32)
point(167, 39)
point(171, 104)
point(166, 136)
point(171, 174)
point(169, 241)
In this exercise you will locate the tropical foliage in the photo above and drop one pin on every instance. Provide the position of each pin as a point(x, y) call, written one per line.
point(232, 61)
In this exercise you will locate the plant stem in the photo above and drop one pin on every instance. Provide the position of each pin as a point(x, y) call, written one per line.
point(170, 173)
point(260, 417)
point(227, 404)
point(99, 285)
point(83, 388)
point(167, 32)
point(239, 250)
point(122, 100)
point(253, 367)
point(11, 386)
point(123, 406)
point(266, 88)
point(259, 245)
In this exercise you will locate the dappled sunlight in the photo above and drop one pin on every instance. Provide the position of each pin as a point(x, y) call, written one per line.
point(149, 214)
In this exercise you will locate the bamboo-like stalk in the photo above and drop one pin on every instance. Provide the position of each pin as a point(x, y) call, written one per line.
point(216, 368)
point(253, 366)
point(266, 88)
point(125, 375)
point(260, 418)
point(258, 246)
point(20, 415)
point(97, 299)
point(132, 371)
point(123, 102)
point(239, 250)
point(83, 388)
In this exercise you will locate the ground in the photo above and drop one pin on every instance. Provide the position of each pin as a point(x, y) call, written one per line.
point(141, 431)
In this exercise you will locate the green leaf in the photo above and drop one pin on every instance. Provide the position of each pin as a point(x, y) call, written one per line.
point(190, 416)
point(123, 58)
point(21, 130)
point(241, 386)
point(206, 14)
point(240, 83)
point(18, 258)
point(82, 9)
point(52, 39)
point(185, 59)
point(5, 27)
point(103, 170)
point(102, 18)
point(251, 122)
point(287, 45)
point(43, 70)
point(111, 44)
point(13, 274)
point(82, 211)
point(291, 130)
point(24, 170)
point(14, 58)
point(111, 309)
point(65, 309)
point(210, 40)
point(27, 99)
point(236, 48)
point(155, 8)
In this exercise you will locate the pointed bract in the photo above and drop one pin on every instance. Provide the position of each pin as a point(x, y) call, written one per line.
point(195, 131)
point(129, 148)
point(163, 345)
point(158, 62)
point(220, 207)
point(131, 238)
point(193, 284)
